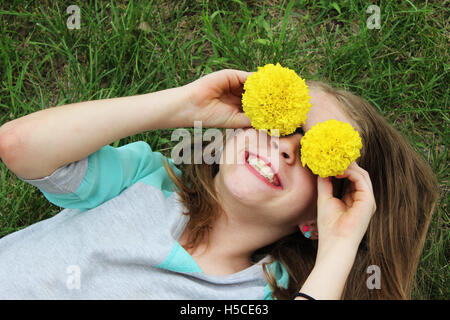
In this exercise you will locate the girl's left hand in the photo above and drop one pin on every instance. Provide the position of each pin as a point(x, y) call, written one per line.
point(215, 99)
point(345, 221)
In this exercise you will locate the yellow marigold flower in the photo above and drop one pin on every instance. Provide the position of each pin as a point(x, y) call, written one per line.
point(329, 147)
point(276, 98)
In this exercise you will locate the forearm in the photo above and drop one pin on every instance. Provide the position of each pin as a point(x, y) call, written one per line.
point(50, 138)
point(329, 275)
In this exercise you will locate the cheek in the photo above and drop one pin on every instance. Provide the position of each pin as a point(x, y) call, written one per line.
point(237, 184)
point(303, 199)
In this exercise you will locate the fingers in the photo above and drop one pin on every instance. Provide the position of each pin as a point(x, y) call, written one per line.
point(361, 184)
point(358, 176)
point(239, 75)
point(354, 171)
point(365, 174)
point(238, 79)
point(234, 79)
point(324, 188)
point(243, 75)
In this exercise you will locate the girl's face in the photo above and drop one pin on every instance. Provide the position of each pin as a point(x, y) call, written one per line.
point(284, 202)
point(293, 200)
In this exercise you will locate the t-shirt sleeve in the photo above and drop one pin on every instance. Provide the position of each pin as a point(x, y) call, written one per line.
point(103, 175)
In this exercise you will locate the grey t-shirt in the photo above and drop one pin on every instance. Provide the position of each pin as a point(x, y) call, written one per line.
point(116, 238)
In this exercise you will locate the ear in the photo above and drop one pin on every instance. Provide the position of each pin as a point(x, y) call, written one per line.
point(311, 227)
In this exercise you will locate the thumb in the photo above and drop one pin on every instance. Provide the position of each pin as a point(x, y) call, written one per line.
point(324, 188)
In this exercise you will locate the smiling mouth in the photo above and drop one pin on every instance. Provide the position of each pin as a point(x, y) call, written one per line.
point(262, 170)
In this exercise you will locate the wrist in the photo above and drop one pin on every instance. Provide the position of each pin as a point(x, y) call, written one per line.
point(340, 252)
point(170, 107)
point(329, 275)
point(335, 262)
point(327, 279)
point(184, 114)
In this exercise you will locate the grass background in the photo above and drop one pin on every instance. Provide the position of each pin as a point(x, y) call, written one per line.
point(125, 48)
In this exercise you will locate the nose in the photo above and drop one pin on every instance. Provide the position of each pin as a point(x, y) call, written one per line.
point(288, 148)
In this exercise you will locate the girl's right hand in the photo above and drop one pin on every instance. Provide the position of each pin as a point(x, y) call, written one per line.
point(215, 99)
point(343, 223)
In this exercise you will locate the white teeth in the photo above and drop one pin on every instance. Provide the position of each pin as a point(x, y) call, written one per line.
point(262, 168)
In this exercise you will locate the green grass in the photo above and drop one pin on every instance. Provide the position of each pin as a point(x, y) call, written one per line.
point(402, 69)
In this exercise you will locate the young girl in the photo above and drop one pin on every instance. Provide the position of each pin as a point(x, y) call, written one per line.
point(137, 227)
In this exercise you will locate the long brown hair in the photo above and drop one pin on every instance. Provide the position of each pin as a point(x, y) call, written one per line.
point(406, 193)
